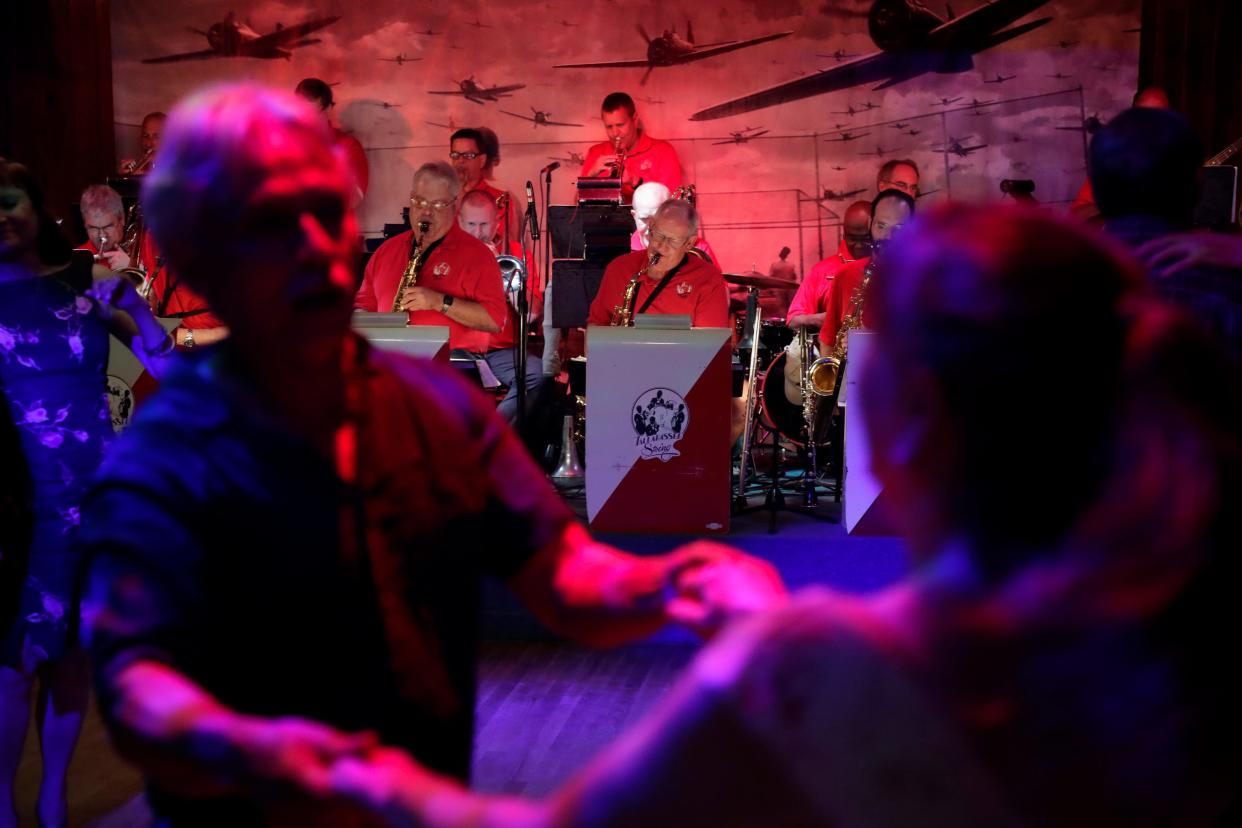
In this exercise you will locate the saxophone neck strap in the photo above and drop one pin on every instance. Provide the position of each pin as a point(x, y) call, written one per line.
point(668, 277)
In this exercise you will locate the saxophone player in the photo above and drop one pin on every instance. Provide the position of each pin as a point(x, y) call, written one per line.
point(678, 283)
point(103, 214)
point(457, 281)
point(889, 211)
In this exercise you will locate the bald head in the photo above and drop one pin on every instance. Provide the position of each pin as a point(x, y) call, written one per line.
point(1153, 97)
point(857, 229)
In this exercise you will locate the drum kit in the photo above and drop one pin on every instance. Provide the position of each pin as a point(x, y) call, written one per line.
point(768, 345)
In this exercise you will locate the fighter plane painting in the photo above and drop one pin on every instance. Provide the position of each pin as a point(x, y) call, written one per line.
point(742, 136)
point(912, 41)
point(539, 118)
point(231, 38)
point(671, 49)
point(473, 91)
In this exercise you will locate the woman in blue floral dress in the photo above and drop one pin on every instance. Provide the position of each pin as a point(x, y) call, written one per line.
point(55, 317)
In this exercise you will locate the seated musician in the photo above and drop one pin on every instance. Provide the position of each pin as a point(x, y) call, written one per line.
point(478, 217)
point(647, 199)
point(889, 211)
point(103, 213)
point(474, 153)
point(682, 281)
point(811, 300)
point(458, 282)
point(149, 143)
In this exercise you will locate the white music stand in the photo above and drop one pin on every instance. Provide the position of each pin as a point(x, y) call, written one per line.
point(389, 332)
point(674, 383)
point(863, 503)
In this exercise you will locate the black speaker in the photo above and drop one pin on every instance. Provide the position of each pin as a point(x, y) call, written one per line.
point(1218, 200)
point(574, 285)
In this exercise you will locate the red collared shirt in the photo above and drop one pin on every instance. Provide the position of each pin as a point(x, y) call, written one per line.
point(461, 266)
point(812, 295)
point(355, 158)
point(697, 289)
point(650, 160)
point(840, 299)
point(170, 297)
point(507, 337)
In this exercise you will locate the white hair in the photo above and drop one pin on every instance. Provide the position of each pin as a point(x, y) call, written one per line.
point(100, 198)
point(681, 210)
point(441, 171)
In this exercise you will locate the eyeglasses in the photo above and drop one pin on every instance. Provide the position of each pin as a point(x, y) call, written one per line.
point(656, 237)
point(469, 156)
point(423, 204)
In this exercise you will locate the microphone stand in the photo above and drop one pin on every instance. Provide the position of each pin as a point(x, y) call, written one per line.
point(523, 321)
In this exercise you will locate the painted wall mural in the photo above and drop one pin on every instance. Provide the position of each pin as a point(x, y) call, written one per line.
point(781, 110)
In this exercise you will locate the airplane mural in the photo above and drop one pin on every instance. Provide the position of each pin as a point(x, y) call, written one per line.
point(400, 59)
point(539, 118)
point(232, 38)
point(742, 136)
point(912, 41)
point(670, 49)
point(471, 90)
point(833, 195)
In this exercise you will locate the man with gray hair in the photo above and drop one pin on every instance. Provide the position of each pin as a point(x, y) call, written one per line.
point(458, 282)
point(103, 213)
point(284, 553)
point(679, 278)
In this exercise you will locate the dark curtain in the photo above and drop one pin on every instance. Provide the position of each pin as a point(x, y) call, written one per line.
point(56, 94)
point(1193, 49)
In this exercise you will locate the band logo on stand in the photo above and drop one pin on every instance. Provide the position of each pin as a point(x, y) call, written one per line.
point(661, 418)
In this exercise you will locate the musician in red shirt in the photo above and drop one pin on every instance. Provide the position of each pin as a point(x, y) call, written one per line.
point(319, 94)
point(810, 302)
point(478, 217)
point(646, 158)
point(474, 153)
point(458, 281)
point(890, 210)
point(683, 281)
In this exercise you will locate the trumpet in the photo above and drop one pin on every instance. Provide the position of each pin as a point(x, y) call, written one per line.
point(139, 166)
point(623, 314)
point(410, 275)
point(618, 166)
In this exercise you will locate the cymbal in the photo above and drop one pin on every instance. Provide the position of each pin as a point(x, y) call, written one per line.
point(758, 280)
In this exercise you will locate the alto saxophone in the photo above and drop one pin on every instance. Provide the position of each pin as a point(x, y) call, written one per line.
point(410, 275)
point(823, 373)
point(623, 314)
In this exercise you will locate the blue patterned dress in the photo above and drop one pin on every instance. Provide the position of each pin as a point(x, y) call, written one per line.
point(53, 355)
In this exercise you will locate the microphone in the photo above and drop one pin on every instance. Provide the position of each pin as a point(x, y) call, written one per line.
point(555, 165)
point(531, 213)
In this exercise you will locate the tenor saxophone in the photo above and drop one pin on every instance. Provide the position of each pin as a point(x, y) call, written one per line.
point(623, 314)
point(410, 275)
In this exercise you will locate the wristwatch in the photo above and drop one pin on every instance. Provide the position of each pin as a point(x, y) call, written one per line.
point(188, 342)
point(448, 303)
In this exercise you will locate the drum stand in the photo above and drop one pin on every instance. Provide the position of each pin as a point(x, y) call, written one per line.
point(774, 497)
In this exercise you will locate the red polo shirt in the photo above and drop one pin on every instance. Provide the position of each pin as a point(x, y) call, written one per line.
point(696, 289)
point(460, 266)
point(169, 296)
point(812, 295)
point(650, 160)
point(507, 337)
point(841, 297)
point(355, 158)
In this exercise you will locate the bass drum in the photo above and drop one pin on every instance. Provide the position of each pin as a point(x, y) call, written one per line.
point(778, 414)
